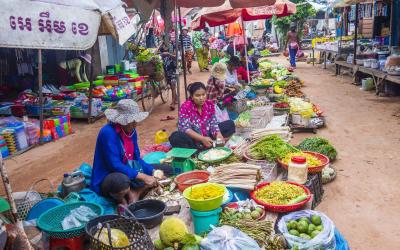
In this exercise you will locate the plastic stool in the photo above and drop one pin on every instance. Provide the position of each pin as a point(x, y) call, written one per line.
point(75, 243)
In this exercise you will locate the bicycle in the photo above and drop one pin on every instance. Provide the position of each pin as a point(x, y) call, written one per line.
point(151, 89)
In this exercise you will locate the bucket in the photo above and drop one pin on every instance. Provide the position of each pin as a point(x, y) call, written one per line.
point(161, 136)
point(203, 220)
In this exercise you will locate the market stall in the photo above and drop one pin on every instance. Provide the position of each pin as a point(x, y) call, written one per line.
point(258, 186)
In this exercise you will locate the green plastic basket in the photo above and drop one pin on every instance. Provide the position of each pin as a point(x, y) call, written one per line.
point(50, 221)
point(201, 155)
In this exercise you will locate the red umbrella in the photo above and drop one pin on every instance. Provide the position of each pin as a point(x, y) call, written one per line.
point(227, 14)
point(214, 3)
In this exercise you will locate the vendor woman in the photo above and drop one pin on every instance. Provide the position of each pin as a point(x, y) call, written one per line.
point(198, 126)
point(118, 172)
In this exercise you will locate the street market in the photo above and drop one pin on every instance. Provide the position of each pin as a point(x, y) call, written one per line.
point(179, 126)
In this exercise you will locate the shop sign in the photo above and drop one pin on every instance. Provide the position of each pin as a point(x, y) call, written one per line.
point(37, 25)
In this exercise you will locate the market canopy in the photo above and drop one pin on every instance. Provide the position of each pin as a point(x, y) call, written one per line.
point(227, 14)
point(215, 3)
point(61, 24)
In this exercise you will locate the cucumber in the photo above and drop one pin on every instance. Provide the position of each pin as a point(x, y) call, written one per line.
point(297, 199)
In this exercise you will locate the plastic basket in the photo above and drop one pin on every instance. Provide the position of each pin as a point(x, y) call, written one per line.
point(137, 234)
point(313, 170)
point(281, 208)
point(50, 221)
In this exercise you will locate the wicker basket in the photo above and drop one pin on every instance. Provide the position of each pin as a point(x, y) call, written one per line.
point(149, 69)
point(26, 200)
point(139, 239)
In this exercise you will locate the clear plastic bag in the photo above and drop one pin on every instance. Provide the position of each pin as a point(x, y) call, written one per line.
point(228, 238)
point(76, 216)
point(324, 240)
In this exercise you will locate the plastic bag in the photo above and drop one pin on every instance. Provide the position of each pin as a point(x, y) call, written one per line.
point(76, 216)
point(228, 238)
point(221, 115)
point(324, 240)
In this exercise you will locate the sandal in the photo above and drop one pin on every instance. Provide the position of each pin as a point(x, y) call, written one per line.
point(167, 118)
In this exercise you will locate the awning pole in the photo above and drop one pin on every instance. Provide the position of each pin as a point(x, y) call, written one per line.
point(40, 83)
point(355, 35)
point(178, 89)
point(91, 76)
point(182, 51)
point(245, 49)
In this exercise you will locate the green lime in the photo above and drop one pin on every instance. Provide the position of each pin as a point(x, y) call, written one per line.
point(294, 232)
point(319, 228)
point(311, 227)
point(314, 233)
point(293, 224)
point(304, 219)
point(302, 227)
point(316, 220)
point(288, 226)
point(305, 236)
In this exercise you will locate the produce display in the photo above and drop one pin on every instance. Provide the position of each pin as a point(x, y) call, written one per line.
point(174, 235)
point(312, 161)
point(305, 227)
point(205, 192)
point(245, 210)
point(215, 154)
point(299, 106)
point(328, 174)
point(238, 175)
point(280, 193)
point(270, 148)
point(319, 145)
point(243, 121)
point(281, 105)
point(258, 230)
point(292, 89)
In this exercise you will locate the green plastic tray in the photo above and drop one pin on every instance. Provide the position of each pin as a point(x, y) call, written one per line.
point(201, 155)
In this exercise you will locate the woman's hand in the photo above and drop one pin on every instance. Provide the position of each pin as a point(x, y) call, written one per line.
point(147, 179)
point(207, 142)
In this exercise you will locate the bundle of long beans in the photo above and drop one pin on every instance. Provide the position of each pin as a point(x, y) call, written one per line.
point(239, 175)
point(260, 231)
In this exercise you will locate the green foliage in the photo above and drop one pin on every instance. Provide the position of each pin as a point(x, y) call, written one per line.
point(304, 11)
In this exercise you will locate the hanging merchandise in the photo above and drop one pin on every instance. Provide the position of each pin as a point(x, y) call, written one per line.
point(365, 11)
point(381, 9)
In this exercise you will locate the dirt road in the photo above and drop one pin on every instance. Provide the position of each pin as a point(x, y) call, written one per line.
point(362, 201)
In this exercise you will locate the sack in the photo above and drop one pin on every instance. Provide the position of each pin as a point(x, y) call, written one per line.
point(221, 114)
point(324, 240)
point(228, 238)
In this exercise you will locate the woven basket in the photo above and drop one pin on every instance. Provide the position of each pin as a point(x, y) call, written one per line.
point(138, 236)
point(26, 200)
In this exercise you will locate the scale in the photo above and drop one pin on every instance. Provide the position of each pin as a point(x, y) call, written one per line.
point(181, 160)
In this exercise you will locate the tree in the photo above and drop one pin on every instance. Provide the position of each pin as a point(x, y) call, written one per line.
point(282, 24)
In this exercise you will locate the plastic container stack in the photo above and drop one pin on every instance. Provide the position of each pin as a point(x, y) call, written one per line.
point(31, 131)
point(8, 135)
point(3, 147)
point(19, 134)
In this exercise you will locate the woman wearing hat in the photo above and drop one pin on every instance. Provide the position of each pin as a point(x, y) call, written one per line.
point(198, 126)
point(118, 172)
point(216, 82)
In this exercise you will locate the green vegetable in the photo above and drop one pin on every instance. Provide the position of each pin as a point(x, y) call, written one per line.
point(294, 232)
point(191, 247)
point(316, 220)
point(319, 145)
point(298, 199)
point(270, 148)
point(158, 244)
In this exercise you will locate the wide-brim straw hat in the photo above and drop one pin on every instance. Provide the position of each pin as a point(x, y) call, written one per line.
point(218, 71)
point(126, 111)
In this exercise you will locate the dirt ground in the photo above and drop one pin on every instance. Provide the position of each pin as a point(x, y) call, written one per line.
point(362, 201)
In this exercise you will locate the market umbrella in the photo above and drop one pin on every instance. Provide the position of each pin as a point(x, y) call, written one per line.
point(215, 3)
point(227, 14)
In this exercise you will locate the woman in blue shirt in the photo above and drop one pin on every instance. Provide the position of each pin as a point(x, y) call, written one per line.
point(118, 171)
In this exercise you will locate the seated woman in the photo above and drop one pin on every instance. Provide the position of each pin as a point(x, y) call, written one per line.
point(231, 74)
point(197, 125)
point(216, 82)
point(118, 172)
